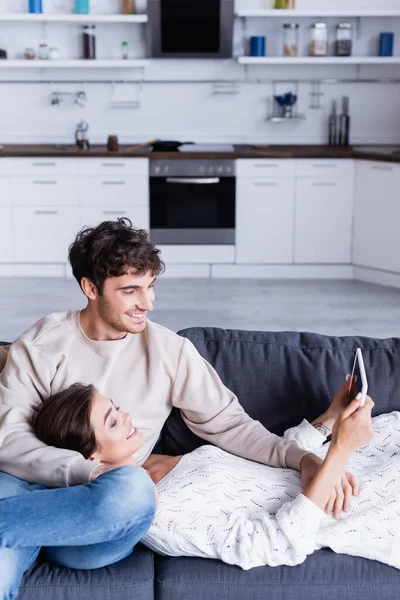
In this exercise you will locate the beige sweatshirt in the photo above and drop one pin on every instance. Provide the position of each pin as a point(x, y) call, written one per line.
point(146, 374)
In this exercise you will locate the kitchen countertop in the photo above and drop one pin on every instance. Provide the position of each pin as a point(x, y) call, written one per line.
point(376, 153)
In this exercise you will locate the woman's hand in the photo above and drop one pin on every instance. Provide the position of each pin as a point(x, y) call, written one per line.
point(353, 427)
point(337, 406)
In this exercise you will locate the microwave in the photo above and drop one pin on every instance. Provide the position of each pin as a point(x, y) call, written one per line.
point(190, 28)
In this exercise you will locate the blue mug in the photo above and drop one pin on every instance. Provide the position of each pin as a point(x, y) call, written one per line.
point(257, 45)
point(35, 6)
point(82, 7)
point(386, 43)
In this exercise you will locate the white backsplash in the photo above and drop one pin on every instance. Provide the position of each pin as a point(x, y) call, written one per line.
point(190, 110)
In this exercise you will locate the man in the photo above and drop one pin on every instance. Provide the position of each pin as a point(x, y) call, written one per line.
point(89, 515)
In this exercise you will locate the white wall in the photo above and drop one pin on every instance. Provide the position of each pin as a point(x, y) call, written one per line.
point(191, 110)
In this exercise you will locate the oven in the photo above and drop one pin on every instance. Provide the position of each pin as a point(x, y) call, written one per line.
point(192, 201)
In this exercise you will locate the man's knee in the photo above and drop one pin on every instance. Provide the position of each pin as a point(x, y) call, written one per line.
point(11, 571)
point(128, 494)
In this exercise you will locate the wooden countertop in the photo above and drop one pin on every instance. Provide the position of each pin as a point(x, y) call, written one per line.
point(241, 151)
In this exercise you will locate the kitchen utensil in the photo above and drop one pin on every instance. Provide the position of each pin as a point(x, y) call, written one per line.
point(344, 123)
point(140, 146)
point(81, 135)
point(128, 7)
point(167, 146)
point(333, 125)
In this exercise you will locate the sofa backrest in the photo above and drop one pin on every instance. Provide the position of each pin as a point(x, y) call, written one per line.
point(282, 377)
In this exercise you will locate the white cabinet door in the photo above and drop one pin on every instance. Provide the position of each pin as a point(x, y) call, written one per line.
point(377, 216)
point(6, 235)
point(124, 191)
point(93, 215)
point(43, 234)
point(323, 222)
point(44, 191)
point(264, 220)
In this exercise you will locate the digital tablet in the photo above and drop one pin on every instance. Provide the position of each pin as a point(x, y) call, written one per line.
point(358, 382)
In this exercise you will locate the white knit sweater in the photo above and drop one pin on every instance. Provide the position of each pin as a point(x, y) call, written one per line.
point(216, 505)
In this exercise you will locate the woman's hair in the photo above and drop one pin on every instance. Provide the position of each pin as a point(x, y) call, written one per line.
point(110, 250)
point(63, 420)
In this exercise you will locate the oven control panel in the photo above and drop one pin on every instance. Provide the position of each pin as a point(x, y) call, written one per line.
point(192, 168)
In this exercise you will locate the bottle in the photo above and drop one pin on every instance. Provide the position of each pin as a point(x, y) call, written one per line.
point(89, 42)
point(82, 7)
point(333, 125)
point(128, 7)
point(344, 123)
point(319, 40)
point(125, 50)
point(35, 6)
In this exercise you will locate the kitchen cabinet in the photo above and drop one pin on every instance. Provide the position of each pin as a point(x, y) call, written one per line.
point(264, 220)
point(6, 234)
point(93, 215)
point(323, 220)
point(43, 233)
point(377, 216)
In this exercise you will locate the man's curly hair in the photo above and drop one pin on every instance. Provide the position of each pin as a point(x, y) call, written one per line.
point(112, 249)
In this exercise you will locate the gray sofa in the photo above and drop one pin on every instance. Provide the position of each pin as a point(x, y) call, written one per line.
point(279, 378)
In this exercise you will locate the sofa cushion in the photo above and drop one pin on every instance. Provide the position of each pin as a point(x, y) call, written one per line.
point(129, 579)
point(282, 377)
point(323, 576)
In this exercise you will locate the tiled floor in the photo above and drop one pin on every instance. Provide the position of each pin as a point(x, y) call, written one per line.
point(331, 307)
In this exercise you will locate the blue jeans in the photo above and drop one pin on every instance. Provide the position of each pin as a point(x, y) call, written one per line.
point(82, 527)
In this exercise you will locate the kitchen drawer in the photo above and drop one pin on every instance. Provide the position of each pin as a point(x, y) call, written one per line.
point(114, 166)
point(265, 168)
point(44, 191)
point(4, 191)
point(320, 167)
point(30, 167)
point(93, 215)
point(6, 235)
point(124, 191)
point(44, 234)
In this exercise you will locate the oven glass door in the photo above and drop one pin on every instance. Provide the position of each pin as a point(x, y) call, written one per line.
point(186, 210)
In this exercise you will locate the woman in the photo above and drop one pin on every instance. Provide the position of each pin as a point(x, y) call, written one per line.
point(216, 505)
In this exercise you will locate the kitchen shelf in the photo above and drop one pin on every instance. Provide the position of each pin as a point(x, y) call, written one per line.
point(321, 13)
point(73, 64)
point(73, 18)
point(322, 60)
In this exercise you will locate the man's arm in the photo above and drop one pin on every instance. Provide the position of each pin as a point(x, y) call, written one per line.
point(24, 381)
point(213, 413)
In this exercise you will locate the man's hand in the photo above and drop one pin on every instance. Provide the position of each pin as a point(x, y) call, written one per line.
point(157, 469)
point(345, 488)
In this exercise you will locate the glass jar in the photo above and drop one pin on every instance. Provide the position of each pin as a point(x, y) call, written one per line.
point(290, 39)
point(344, 39)
point(319, 40)
point(43, 51)
point(89, 42)
point(128, 7)
point(125, 50)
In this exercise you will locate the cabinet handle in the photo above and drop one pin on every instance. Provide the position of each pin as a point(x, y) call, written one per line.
point(46, 212)
point(382, 168)
point(324, 183)
point(113, 164)
point(113, 182)
point(114, 212)
point(266, 166)
point(44, 182)
point(44, 164)
point(265, 183)
point(325, 166)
